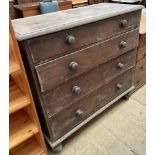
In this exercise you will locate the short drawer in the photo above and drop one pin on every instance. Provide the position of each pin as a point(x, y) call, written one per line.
point(55, 72)
point(59, 43)
point(67, 41)
point(121, 23)
point(67, 119)
point(64, 95)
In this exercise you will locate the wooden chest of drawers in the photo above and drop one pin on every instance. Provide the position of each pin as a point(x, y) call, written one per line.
point(79, 62)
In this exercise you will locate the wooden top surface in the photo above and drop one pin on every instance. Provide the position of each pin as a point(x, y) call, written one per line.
point(143, 22)
point(30, 27)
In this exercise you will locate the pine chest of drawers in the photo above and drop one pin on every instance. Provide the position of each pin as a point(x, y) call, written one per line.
point(79, 62)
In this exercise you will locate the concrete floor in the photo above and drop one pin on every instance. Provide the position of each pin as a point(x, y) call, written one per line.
point(120, 130)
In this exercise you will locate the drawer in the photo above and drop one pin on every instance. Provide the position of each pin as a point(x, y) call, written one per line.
point(58, 43)
point(67, 41)
point(73, 115)
point(64, 95)
point(55, 72)
point(119, 24)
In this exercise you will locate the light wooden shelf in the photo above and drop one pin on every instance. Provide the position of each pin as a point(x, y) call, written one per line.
point(13, 67)
point(29, 147)
point(17, 99)
point(21, 128)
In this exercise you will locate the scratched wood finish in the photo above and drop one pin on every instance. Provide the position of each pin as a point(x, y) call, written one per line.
point(58, 70)
point(54, 45)
point(40, 25)
point(97, 50)
point(88, 105)
point(61, 97)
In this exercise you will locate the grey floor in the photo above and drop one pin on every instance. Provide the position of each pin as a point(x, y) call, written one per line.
point(119, 130)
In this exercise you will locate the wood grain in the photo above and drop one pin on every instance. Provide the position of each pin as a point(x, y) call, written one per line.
point(21, 128)
point(61, 97)
point(87, 58)
point(88, 105)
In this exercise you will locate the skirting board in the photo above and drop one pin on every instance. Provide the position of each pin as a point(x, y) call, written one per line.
point(56, 143)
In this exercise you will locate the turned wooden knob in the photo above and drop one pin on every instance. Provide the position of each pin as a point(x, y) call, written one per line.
point(119, 86)
point(70, 39)
point(123, 44)
point(79, 112)
point(124, 23)
point(73, 65)
point(120, 65)
point(76, 90)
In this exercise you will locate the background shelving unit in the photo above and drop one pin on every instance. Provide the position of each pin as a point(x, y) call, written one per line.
point(25, 133)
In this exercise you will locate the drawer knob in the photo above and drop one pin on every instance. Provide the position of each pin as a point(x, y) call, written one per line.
point(123, 44)
point(119, 86)
point(76, 90)
point(79, 112)
point(124, 23)
point(120, 65)
point(73, 65)
point(70, 39)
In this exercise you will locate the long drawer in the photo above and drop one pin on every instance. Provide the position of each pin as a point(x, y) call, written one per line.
point(76, 88)
point(69, 66)
point(56, 44)
point(71, 116)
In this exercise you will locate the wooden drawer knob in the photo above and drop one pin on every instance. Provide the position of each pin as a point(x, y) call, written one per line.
point(123, 44)
point(119, 86)
point(120, 65)
point(70, 39)
point(124, 23)
point(79, 112)
point(76, 90)
point(73, 65)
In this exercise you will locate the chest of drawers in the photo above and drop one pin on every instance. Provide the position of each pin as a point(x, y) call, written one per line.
point(79, 62)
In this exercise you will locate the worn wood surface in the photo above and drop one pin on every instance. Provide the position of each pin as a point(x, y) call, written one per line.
point(47, 58)
point(88, 105)
point(33, 26)
point(61, 97)
point(59, 72)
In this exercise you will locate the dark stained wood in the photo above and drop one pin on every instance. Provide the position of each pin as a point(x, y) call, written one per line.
point(62, 96)
point(58, 70)
point(55, 44)
point(64, 121)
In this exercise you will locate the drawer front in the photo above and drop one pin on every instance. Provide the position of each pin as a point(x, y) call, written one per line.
point(119, 24)
point(64, 95)
point(55, 72)
point(56, 44)
point(60, 43)
point(67, 119)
